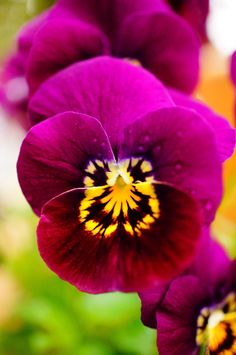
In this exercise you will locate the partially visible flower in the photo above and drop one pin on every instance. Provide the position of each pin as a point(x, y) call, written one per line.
point(14, 88)
point(105, 174)
point(146, 31)
point(196, 311)
point(195, 12)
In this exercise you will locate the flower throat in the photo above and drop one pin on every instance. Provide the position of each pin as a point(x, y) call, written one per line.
point(119, 197)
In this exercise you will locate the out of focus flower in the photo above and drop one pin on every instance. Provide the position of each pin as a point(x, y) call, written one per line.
point(146, 31)
point(109, 166)
point(196, 311)
point(195, 12)
point(233, 73)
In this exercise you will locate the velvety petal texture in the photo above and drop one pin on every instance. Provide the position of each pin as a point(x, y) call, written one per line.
point(182, 148)
point(55, 153)
point(96, 264)
point(114, 91)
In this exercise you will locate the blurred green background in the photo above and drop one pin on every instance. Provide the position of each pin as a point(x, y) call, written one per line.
point(39, 313)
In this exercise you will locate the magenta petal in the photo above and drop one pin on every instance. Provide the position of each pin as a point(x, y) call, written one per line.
point(166, 46)
point(195, 12)
point(224, 133)
point(109, 89)
point(182, 149)
point(59, 43)
point(55, 153)
point(176, 321)
point(119, 261)
point(211, 266)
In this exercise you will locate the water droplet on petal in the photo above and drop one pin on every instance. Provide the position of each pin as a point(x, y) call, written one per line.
point(146, 138)
point(179, 133)
point(94, 140)
point(157, 149)
point(178, 166)
point(140, 148)
point(208, 206)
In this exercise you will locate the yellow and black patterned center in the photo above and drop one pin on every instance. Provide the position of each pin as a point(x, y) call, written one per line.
point(216, 327)
point(119, 197)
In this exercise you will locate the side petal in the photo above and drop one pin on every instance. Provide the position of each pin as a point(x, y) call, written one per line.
point(224, 133)
point(100, 262)
point(59, 43)
point(182, 149)
point(165, 45)
point(54, 155)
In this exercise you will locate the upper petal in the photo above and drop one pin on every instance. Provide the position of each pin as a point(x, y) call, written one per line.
point(97, 254)
point(59, 43)
point(112, 90)
point(55, 153)
point(182, 149)
point(164, 44)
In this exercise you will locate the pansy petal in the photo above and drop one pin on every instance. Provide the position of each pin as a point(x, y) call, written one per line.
point(59, 43)
point(54, 155)
point(210, 266)
point(165, 45)
point(98, 255)
point(195, 12)
point(176, 321)
point(112, 90)
point(181, 147)
point(224, 133)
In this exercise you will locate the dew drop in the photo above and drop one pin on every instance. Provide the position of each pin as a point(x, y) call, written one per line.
point(178, 167)
point(94, 140)
point(208, 206)
point(157, 148)
point(140, 148)
point(146, 138)
point(179, 133)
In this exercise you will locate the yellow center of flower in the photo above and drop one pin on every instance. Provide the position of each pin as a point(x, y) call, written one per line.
point(216, 327)
point(119, 197)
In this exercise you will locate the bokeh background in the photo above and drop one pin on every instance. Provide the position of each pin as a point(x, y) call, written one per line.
point(39, 313)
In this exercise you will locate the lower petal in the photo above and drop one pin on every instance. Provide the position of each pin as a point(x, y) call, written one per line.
point(99, 255)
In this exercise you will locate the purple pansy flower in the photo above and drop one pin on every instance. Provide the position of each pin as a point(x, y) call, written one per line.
point(72, 30)
point(196, 312)
point(105, 171)
point(195, 12)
